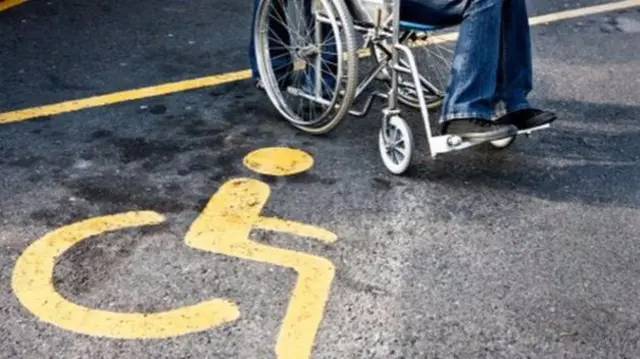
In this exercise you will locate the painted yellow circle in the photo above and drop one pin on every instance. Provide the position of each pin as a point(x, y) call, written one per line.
point(278, 161)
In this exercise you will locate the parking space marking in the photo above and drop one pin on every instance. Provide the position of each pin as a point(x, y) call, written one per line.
point(123, 96)
point(8, 4)
point(33, 285)
point(173, 87)
point(223, 227)
point(581, 12)
point(278, 161)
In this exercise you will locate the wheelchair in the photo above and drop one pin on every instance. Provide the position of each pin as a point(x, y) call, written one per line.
point(307, 52)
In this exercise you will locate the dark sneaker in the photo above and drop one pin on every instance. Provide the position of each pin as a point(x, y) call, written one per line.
point(478, 129)
point(527, 118)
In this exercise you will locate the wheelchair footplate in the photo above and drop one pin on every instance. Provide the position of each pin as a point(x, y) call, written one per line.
point(448, 143)
point(396, 143)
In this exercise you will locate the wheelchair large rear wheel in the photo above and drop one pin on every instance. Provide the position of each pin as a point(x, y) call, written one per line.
point(434, 57)
point(307, 60)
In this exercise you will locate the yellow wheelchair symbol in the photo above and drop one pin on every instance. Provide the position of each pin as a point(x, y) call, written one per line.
point(223, 227)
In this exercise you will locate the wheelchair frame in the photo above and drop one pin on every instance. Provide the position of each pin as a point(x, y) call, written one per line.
point(351, 18)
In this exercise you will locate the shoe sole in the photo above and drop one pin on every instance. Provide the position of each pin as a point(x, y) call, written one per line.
point(539, 120)
point(535, 121)
point(499, 134)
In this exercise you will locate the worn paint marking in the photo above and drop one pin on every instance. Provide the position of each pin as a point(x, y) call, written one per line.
point(33, 285)
point(224, 227)
point(278, 161)
point(167, 88)
point(118, 97)
point(8, 4)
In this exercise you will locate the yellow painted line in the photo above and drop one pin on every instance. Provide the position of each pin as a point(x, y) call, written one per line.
point(585, 11)
point(123, 96)
point(8, 4)
point(151, 91)
point(32, 283)
point(546, 19)
point(278, 161)
point(223, 227)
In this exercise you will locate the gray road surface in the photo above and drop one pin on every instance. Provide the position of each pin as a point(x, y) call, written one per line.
point(527, 253)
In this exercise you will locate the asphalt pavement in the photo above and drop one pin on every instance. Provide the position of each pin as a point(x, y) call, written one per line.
point(529, 252)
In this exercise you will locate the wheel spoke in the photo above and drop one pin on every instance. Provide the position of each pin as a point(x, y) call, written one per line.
point(290, 59)
point(403, 151)
point(395, 157)
point(396, 134)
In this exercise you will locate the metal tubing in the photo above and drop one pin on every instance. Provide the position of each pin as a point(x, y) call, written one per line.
point(393, 91)
point(367, 81)
point(368, 104)
point(423, 106)
point(318, 69)
point(395, 38)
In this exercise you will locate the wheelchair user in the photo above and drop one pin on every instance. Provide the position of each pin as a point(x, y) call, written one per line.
point(492, 64)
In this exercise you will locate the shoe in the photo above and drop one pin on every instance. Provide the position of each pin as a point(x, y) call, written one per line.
point(478, 129)
point(527, 118)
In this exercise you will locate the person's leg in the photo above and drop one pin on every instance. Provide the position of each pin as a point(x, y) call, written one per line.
point(252, 54)
point(278, 42)
point(469, 99)
point(329, 51)
point(468, 104)
point(515, 76)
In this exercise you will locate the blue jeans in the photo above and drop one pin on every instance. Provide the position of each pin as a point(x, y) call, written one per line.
point(492, 61)
point(281, 58)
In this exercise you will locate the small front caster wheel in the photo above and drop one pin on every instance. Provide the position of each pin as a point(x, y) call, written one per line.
point(396, 148)
point(503, 143)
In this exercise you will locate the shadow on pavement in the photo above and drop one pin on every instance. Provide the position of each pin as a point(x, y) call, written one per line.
point(590, 155)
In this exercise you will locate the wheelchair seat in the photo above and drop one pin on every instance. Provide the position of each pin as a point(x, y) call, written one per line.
point(412, 26)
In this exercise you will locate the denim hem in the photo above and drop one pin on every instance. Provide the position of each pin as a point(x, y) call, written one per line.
point(523, 106)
